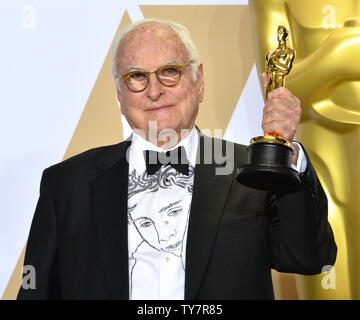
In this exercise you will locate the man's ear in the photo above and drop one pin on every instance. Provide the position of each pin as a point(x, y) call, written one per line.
point(200, 82)
point(118, 94)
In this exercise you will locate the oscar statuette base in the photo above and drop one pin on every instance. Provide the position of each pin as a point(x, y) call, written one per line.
point(269, 166)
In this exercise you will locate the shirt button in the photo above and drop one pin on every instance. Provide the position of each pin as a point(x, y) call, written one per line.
point(166, 222)
point(167, 259)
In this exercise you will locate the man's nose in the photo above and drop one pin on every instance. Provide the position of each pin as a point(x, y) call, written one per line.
point(155, 89)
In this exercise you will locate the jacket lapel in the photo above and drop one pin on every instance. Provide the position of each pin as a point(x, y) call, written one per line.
point(109, 207)
point(209, 196)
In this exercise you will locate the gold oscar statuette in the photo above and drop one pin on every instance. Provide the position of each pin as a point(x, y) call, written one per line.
point(269, 156)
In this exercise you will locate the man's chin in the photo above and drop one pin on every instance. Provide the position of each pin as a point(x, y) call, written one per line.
point(164, 130)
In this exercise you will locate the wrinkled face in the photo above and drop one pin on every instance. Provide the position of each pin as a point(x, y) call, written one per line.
point(147, 48)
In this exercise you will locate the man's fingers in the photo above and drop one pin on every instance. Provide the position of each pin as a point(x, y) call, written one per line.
point(281, 114)
point(283, 93)
point(282, 129)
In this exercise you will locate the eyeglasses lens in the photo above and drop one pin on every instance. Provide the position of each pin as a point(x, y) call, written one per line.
point(167, 75)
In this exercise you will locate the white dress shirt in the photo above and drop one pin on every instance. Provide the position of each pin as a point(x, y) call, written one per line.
point(158, 215)
point(158, 212)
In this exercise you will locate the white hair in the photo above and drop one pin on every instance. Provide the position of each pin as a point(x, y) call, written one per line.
point(181, 31)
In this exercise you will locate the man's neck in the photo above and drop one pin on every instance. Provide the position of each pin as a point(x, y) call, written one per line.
point(168, 141)
point(165, 139)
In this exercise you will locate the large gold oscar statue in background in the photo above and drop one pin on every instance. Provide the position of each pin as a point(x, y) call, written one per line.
point(326, 77)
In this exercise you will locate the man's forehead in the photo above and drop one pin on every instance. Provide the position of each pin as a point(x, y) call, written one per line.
point(151, 32)
point(154, 42)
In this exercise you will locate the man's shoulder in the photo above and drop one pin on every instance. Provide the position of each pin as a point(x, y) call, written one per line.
point(225, 149)
point(238, 147)
point(89, 160)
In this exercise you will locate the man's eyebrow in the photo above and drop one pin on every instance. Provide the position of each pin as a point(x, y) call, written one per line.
point(133, 67)
point(172, 61)
point(130, 68)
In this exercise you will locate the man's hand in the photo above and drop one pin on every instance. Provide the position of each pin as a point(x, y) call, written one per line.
point(281, 114)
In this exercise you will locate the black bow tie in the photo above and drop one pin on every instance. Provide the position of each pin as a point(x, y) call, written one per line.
point(175, 158)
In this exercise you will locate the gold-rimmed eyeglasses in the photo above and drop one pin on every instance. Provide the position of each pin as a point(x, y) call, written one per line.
point(168, 75)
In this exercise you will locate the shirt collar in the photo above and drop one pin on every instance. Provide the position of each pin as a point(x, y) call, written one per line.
point(139, 145)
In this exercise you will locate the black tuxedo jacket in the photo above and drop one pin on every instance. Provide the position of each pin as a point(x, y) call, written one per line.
point(78, 237)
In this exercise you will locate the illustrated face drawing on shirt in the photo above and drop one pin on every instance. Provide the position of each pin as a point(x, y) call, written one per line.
point(168, 237)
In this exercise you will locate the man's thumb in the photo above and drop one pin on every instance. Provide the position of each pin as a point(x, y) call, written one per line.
point(265, 80)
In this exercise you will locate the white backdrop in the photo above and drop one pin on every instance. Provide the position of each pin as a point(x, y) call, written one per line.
point(51, 54)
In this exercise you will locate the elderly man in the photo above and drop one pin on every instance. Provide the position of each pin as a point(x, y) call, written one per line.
point(117, 223)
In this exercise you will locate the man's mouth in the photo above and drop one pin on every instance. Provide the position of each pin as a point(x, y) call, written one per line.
point(161, 108)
